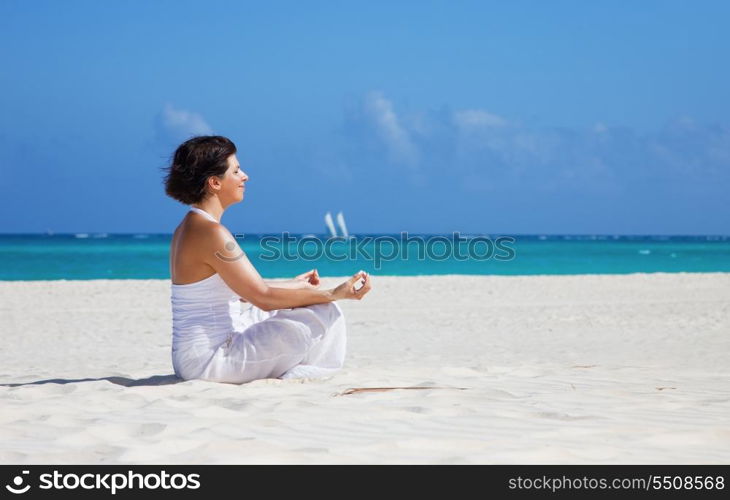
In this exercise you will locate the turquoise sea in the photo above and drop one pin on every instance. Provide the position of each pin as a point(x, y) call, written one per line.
point(145, 256)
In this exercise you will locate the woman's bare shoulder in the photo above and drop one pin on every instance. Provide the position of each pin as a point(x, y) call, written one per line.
point(203, 236)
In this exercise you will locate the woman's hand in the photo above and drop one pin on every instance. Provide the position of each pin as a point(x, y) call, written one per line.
point(310, 279)
point(350, 289)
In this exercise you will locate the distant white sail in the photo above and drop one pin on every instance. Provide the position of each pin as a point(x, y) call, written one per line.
point(343, 227)
point(330, 225)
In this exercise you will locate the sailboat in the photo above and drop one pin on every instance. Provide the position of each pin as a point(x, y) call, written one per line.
point(343, 227)
point(330, 225)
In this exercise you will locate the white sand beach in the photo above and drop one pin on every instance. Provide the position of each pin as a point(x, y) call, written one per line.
point(591, 369)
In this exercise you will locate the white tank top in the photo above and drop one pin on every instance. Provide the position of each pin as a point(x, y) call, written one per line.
point(204, 314)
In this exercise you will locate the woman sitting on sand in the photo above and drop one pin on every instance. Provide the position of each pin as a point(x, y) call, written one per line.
point(228, 324)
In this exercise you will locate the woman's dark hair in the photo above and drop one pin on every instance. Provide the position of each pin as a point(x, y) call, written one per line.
point(194, 161)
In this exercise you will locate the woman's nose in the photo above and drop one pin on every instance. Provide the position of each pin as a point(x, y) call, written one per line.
point(245, 176)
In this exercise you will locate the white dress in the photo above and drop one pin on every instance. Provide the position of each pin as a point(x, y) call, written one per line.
point(216, 337)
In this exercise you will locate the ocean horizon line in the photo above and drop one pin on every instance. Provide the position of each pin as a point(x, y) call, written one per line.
point(101, 234)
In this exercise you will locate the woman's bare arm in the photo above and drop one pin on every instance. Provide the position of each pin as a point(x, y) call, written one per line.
point(310, 279)
point(224, 255)
point(283, 283)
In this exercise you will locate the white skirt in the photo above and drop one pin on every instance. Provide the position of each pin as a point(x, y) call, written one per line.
point(287, 343)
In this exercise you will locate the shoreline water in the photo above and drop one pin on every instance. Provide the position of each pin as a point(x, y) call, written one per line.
point(394, 276)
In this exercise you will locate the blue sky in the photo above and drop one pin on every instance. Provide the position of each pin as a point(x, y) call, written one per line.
point(496, 117)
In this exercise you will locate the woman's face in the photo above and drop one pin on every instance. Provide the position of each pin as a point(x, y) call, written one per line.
point(234, 181)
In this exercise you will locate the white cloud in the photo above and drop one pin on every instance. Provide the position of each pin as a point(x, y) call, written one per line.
point(470, 118)
point(471, 144)
point(175, 125)
point(394, 135)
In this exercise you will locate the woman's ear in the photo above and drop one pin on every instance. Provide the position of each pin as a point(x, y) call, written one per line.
point(214, 183)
